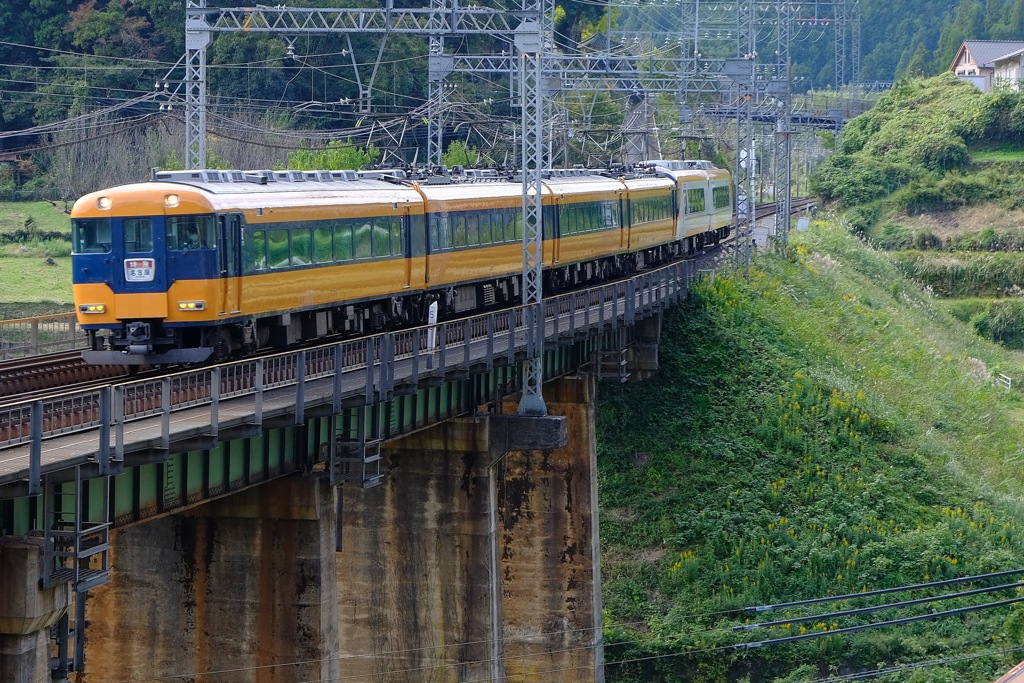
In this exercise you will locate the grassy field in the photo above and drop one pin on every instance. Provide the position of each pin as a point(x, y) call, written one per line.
point(46, 216)
point(31, 280)
point(29, 284)
point(1004, 154)
point(819, 427)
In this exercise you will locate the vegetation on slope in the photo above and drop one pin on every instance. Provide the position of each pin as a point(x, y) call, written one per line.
point(934, 171)
point(819, 427)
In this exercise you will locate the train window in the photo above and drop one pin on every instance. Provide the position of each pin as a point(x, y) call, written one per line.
point(472, 229)
point(695, 200)
point(343, 242)
point(322, 252)
point(277, 248)
point(301, 247)
point(397, 236)
point(486, 236)
point(609, 215)
point(256, 252)
point(362, 235)
point(567, 219)
point(90, 235)
point(720, 197)
point(191, 232)
point(502, 226)
point(381, 238)
point(457, 230)
point(439, 232)
point(138, 235)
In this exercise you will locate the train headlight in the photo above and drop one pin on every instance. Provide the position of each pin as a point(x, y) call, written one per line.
point(104, 203)
point(92, 308)
point(191, 305)
point(171, 201)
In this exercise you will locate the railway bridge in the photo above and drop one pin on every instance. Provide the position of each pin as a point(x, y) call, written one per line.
point(371, 509)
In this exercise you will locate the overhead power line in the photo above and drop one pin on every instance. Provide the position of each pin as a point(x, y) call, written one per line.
point(885, 591)
point(863, 627)
point(877, 608)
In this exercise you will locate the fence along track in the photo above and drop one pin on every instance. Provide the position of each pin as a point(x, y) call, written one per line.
point(370, 361)
point(46, 334)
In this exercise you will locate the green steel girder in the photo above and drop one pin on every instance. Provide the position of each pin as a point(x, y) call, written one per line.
point(157, 482)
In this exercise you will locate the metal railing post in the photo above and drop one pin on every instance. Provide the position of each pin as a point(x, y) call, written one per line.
point(260, 381)
point(35, 456)
point(215, 401)
point(103, 452)
point(339, 363)
point(300, 389)
point(165, 414)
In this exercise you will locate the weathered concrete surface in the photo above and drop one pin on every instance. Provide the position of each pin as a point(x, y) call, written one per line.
point(414, 579)
point(549, 548)
point(26, 611)
point(413, 585)
point(243, 585)
point(642, 360)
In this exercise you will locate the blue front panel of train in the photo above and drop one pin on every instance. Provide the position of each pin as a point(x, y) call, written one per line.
point(127, 254)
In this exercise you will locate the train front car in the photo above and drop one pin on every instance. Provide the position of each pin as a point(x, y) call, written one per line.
point(145, 265)
point(195, 266)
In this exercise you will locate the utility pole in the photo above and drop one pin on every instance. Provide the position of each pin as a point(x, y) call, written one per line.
point(783, 124)
point(197, 39)
point(529, 46)
point(741, 70)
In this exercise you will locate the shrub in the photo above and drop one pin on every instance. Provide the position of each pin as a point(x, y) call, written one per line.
point(893, 236)
point(862, 218)
point(1006, 322)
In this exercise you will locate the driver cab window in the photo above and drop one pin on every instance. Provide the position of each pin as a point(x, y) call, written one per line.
point(191, 232)
point(90, 235)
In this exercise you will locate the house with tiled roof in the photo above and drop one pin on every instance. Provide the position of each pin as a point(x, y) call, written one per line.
point(976, 61)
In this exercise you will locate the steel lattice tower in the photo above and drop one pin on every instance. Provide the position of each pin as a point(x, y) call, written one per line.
point(783, 123)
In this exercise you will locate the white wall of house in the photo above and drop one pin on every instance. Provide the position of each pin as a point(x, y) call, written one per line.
point(1007, 73)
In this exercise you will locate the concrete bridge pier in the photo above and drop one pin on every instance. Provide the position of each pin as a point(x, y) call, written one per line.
point(243, 585)
point(475, 561)
point(643, 356)
point(26, 611)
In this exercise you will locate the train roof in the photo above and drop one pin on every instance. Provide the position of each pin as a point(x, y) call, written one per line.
point(245, 182)
point(681, 164)
point(205, 191)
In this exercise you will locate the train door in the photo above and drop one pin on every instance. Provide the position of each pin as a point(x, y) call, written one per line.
point(229, 262)
point(407, 245)
point(625, 222)
point(143, 272)
point(553, 216)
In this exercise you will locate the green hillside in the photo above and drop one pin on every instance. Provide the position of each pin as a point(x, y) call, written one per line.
point(819, 427)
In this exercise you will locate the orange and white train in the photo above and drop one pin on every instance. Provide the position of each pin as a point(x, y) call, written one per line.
point(194, 266)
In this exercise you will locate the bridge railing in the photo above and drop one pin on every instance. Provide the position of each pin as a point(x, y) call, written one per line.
point(371, 367)
point(35, 336)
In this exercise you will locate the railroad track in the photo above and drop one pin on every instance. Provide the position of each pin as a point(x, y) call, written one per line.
point(23, 377)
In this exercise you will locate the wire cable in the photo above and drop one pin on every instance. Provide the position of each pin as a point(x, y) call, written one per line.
point(885, 591)
point(876, 608)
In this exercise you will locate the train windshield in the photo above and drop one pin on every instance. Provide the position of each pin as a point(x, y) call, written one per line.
point(191, 232)
point(90, 235)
